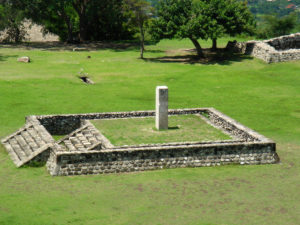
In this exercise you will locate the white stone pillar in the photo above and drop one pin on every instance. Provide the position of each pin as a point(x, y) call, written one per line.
point(161, 110)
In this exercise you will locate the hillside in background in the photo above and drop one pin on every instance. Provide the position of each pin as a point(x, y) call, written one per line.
point(279, 7)
point(34, 33)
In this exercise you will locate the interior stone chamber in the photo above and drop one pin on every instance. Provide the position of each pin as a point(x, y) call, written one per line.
point(98, 155)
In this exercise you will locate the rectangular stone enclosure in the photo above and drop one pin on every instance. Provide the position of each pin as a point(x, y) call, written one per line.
point(84, 150)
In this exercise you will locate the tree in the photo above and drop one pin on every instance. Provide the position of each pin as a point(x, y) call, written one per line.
point(11, 20)
point(201, 19)
point(56, 16)
point(79, 20)
point(81, 7)
point(180, 19)
point(141, 13)
point(230, 17)
point(273, 26)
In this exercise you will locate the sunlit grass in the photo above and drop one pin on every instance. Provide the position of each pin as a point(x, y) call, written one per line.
point(134, 131)
point(264, 97)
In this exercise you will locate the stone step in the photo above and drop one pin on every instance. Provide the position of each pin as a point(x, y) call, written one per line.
point(84, 138)
point(28, 142)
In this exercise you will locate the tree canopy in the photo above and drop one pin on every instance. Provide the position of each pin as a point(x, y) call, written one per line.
point(273, 26)
point(141, 12)
point(11, 20)
point(79, 20)
point(201, 19)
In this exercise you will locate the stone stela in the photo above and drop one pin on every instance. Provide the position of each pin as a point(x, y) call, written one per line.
point(161, 110)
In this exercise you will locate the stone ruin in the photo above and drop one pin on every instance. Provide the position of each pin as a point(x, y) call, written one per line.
point(85, 150)
point(279, 49)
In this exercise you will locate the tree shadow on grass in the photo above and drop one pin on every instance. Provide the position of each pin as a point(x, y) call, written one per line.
point(61, 46)
point(119, 46)
point(220, 57)
point(6, 57)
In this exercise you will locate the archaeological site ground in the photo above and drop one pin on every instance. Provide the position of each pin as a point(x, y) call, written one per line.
point(246, 171)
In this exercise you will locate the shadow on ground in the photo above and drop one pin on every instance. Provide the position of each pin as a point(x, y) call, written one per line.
point(188, 56)
point(6, 57)
point(61, 46)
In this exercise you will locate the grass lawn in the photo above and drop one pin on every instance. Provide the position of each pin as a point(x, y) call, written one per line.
point(264, 97)
point(134, 131)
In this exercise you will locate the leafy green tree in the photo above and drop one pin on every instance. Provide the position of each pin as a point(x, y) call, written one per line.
point(141, 11)
point(11, 20)
point(229, 17)
point(81, 7)
point(82, 20)
point(179, 19)
point(58, 17)
point(273, 26)
point(201, 19)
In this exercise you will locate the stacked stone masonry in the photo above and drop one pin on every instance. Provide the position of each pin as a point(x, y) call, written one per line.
point(85, 150)
point(30, 143)
point(84, 138)
point(284, 48)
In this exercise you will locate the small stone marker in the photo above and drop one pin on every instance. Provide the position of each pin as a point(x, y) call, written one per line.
point(161, 110)
point(25, 59)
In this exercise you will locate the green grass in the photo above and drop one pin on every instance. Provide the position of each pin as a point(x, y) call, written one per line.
point(57, 137)
point(264, 97)
point(134, 131)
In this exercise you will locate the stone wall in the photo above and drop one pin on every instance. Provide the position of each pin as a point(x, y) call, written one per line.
point(285, 42)
point(231, 126)
point(284, 48)
point(140, 159)
point(248, 147)
point(65, 124)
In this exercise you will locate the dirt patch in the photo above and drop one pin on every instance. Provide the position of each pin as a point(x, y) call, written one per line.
point(183, 191)
point(268, 209)
point(283, 211)
point(4, 210)
point(140, 188)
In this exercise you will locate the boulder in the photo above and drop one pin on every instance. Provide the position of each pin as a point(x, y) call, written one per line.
point(24, 59)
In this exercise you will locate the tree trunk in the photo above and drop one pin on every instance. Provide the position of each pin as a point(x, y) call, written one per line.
point(142, 40)
point(198, 47)
point(17, 35)
point(214, 45)
point(69, 24)
point(80, 7)
point(82, 28)
point(70, 33)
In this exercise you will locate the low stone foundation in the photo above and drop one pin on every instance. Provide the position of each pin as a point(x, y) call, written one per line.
point(87, 151)
point(155, 157)
point(284, 48)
